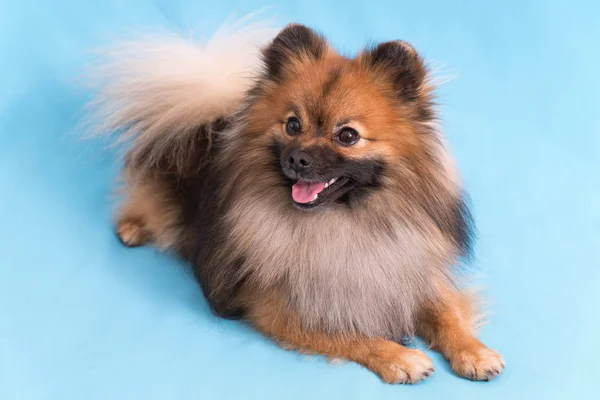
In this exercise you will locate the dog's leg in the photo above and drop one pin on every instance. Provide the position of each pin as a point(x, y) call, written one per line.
point(132, 231)
point(393, 362)
point(448, 325)
point(148, 213)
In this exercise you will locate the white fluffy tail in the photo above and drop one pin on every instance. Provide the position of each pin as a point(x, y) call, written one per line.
point(157, 90)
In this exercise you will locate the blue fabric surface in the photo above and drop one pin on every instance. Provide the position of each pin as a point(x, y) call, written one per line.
point(81, 317)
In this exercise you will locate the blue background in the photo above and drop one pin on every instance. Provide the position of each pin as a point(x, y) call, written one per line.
point(83, 318)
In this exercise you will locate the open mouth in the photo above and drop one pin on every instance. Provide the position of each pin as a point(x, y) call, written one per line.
point(310, 194)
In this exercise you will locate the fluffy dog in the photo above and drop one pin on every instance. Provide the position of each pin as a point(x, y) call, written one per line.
point(311, 192)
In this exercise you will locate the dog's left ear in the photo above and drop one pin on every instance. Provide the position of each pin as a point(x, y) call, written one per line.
point(401, 63)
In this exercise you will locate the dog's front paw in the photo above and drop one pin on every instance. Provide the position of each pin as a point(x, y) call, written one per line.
point(477, 363)
point(402, 365)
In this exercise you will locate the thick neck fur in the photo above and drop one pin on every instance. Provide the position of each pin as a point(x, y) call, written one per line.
point(366, 265)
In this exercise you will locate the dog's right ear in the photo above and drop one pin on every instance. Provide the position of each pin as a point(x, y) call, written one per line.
point(294, 42)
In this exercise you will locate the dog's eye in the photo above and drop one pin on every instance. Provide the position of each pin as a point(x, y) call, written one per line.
point(293, 126)
point(347, 136)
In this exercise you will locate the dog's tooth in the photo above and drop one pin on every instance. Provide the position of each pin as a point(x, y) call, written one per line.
point(331, 181)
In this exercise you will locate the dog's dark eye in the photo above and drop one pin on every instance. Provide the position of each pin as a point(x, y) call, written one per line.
point(347, 136)
point(293, 126)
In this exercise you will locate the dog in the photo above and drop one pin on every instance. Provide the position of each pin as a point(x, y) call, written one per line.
point(311, 192)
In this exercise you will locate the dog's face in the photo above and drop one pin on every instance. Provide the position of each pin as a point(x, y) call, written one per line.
point(336, 127)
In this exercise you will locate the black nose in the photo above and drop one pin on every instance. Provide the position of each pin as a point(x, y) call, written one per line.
point(299, 160)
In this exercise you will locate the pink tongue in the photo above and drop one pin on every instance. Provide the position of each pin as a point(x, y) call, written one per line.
point(305, 192)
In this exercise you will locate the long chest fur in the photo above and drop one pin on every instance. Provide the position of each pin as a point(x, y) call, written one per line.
point(341, 270)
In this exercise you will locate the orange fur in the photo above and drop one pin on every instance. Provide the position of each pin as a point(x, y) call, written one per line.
point(448, 327)
point(393, 362)
point(386, 128)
